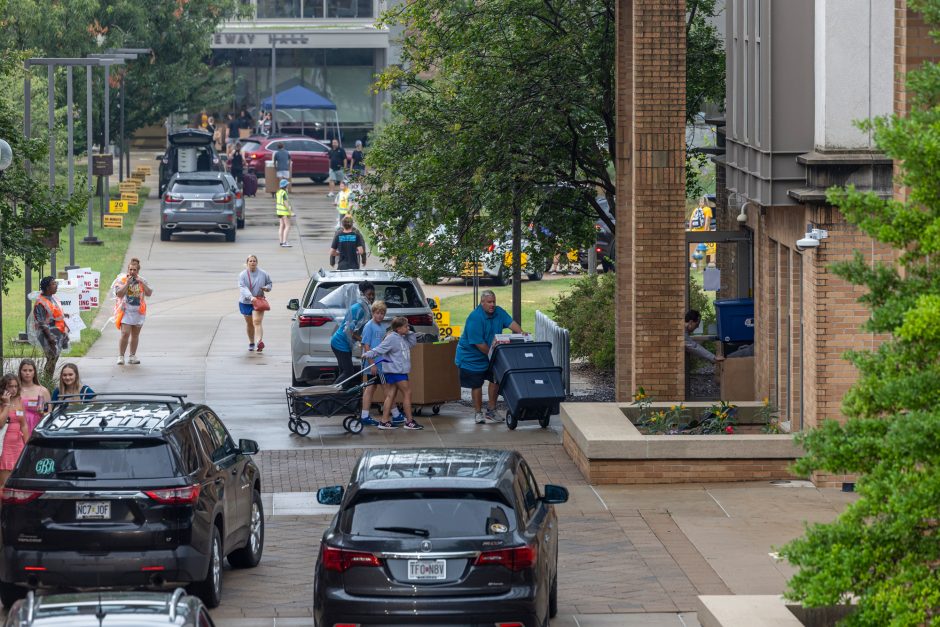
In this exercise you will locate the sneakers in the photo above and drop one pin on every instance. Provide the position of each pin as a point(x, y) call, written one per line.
point(386, 425)
point(398, 420)
point(369, 422)
point(286, 245)
point(260, 346)
point(330, 194)
point(492, 417)
point(251, 346)
point(478, 418)
point(413, 426)
point(120, 360)
point(133, 360)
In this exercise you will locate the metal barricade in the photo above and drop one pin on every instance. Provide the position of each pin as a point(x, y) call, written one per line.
point(547, 330)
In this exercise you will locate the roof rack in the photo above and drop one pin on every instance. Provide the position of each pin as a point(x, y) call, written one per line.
point(111, 397)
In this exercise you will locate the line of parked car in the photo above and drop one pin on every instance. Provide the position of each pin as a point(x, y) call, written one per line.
point(133, 495)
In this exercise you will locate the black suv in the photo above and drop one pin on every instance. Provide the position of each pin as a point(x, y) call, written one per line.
point(439, 537)
point(130, 490)
point(188, 150)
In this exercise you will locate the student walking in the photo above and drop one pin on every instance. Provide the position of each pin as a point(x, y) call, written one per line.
point(396, 350)
point(282, 162)
point(130, 310)
point(338, 160)
point(70, 385)
point(284, 213)
point(33, 395)
point(12, 411)
point(253, 282)
point(348, 247)
point(48, 324)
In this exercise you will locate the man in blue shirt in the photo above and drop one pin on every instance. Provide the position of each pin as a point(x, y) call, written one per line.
point(473, 352)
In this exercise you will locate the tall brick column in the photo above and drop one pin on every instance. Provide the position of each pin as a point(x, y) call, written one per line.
point(650, 159)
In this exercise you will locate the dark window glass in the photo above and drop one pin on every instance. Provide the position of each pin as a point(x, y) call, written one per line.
point(397, 295)
point(313, 8)
point(530, 487)
point(107, 458)
point(206, 437)
point(250, 146)
point(349, 8)
point(197, 187)
point(268, 9)
point(189, 455)
point(224, 444)
point(442, 515)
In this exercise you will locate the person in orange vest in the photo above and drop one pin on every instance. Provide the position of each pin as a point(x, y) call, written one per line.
point(52, 332)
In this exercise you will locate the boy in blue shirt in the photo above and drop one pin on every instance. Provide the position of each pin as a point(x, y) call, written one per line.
point(350, 331)
point(473, 353)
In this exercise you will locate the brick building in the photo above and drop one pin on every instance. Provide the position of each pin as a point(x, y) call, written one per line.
point(800, 74)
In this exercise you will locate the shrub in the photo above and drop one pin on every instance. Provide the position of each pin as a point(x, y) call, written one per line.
point(587, 311)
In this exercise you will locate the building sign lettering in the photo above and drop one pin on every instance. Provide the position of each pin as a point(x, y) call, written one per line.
point(257, 40)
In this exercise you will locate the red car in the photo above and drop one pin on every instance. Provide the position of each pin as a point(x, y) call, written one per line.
point(308, 156)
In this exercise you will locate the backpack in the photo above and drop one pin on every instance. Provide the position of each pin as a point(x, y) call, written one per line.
point(698, 219)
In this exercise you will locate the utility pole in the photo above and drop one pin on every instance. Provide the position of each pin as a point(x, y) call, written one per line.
point(516, 257)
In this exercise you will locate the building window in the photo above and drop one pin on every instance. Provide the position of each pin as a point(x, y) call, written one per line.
point(348, 8)
point(275, 9)
point(335, 9)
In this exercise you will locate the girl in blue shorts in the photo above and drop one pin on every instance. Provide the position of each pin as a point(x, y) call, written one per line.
point(395, 351)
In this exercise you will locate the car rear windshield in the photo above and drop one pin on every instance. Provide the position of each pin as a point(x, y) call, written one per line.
point(184, 186)
point(78, 458)
point(428, 514)
point(396, 294)
point(250, 146)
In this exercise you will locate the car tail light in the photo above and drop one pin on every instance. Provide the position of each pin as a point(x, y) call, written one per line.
point(222, 198)
point(12, 496)
point(491, 248)
point(345, 624)
point(516, 559)
point(420, 320)
point(341, 560)
point(34, 568)
point(313, 321)
point(175, 496)
point(172, 198)
point(152, 569)
point(512, 624)
point(597, 249)
point(254, 155)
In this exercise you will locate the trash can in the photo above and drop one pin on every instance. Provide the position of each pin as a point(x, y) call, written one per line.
point(735, 319)
point(520, 355)
point(532, 394)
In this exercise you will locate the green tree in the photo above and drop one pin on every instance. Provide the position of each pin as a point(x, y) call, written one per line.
point(704, 80)
point(29, 211)
point(174, 78)
point(884, 550)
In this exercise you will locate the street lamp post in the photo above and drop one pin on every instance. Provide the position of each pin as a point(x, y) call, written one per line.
point(128, 54)
point(107, 60)
point(6, 159)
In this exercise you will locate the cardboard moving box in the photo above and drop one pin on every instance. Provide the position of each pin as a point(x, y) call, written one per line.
point(433, 377)
point(736, 376)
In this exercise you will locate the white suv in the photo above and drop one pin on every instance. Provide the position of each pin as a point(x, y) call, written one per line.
point(320, 311)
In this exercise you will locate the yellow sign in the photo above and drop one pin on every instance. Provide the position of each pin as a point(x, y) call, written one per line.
point(129, 185)
point(118, 206)
point(113, 222)
point(442, 318)
point(447, 331)
point(143, 169)
point(137, 176)
point(129, 198)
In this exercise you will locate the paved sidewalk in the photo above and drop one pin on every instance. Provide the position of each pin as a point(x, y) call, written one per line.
point(629, 555)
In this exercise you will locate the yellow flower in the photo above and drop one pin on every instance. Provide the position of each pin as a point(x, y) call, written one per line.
point(766, 401)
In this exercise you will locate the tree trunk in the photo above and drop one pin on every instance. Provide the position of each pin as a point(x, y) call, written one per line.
point(516, 259)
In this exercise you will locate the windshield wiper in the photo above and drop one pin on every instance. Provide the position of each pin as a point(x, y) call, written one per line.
point(76, 473)
point(424, 533)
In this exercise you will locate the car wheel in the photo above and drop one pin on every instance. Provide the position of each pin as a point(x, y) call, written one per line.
point(230, 235)
point(240, 223)
point(249, 555)
point(165, 234)
point(210, 588)
point(545, 420)
point(502, 278)
point(553, 597)
point(10, 593)
point(535, 276)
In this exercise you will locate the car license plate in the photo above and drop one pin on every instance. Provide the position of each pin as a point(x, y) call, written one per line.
point(427, 569)
point(197, 204)
point(93, 510)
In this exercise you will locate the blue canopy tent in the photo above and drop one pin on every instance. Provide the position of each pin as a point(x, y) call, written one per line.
point(302, 99)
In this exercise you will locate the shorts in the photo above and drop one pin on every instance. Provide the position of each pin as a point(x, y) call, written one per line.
point(246, 309)
point(338, 175)
point(473, 379)
point(283, 174)
point(394, 377)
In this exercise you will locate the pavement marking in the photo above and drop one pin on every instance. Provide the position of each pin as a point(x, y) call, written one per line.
point(719, 504)
point(599, 498)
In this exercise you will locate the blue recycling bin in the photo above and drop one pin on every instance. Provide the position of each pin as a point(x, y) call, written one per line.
point(735, 319)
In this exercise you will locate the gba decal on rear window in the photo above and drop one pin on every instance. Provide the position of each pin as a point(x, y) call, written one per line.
point(45, 466)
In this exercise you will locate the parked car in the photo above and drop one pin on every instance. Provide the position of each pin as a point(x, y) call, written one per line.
point(198, 201)
point(130, 490)
point(604, 244)
point(494, 262)
point(94, 609)
point(239, 200)
point(188, 150)
point(319, 314)
point(308, 156)
point(439, 537)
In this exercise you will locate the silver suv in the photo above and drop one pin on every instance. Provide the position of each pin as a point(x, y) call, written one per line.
point(198, 201)
point(318, 316)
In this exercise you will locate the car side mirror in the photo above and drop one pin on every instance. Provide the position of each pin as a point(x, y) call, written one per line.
point(432, 303)
point(332, 495)
point(158, 158)
point(293, 304)
point(248, 447)
point(555, 494)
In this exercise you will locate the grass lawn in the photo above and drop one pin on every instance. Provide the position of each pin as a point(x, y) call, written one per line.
point(108, 259)
point(535, 295)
